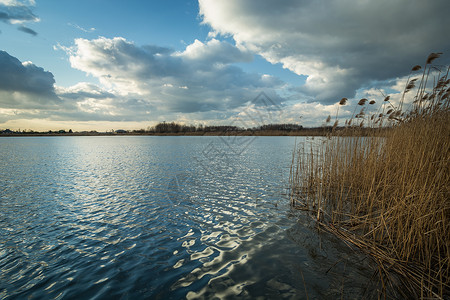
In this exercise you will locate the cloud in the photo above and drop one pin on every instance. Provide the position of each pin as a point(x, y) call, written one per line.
point(92, 29)
point(25, 77)
point(25, 86)
point(18, 12)
point(200, 78)
point(28, 92)
point(216, 52)
point(17, 2)
point(27, 30)
point(84, 90)
point(340, 45)
point(89, 102)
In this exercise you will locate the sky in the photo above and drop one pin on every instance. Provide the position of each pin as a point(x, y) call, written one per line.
point(108, 64)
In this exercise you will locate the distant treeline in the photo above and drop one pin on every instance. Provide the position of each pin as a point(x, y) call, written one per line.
point(174, 128)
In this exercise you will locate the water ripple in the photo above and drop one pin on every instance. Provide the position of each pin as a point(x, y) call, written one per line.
point(112, 217)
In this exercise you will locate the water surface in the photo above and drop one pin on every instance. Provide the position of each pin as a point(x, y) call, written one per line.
point(162, 217)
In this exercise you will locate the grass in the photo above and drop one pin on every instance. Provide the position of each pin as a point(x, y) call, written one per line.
point(388, 192)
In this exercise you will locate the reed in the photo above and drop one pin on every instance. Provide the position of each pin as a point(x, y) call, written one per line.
point(388, 192)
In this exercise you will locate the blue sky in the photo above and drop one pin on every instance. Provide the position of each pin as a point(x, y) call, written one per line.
point(129, 64)
point(144, 22)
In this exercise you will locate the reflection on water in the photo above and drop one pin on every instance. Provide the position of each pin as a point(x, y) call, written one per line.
point(161, 217)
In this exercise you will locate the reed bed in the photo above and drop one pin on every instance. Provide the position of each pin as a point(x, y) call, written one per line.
point(388, 192)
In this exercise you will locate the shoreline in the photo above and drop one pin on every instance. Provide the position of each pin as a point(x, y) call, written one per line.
point(303, 132)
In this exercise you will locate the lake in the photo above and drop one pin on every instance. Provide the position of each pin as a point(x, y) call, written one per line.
point(163, 217)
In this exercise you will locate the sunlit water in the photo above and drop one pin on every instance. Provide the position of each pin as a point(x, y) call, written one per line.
point(162, 217)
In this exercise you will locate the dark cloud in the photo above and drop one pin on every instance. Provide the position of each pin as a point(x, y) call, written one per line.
point(13, 13)
point(27, 30)
point(340, 45)
point(24, 77)
point(24, 84)
point(18, 13)
point(153, 49)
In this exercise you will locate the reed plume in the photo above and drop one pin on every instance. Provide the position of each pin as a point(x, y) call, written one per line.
point(362, 101)
point(388, 193)
point(432, 57)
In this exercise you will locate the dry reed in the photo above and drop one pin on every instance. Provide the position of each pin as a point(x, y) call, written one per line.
point(388, 193)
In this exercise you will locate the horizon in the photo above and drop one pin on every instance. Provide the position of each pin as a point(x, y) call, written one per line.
point(106, 65)
point(149, 129)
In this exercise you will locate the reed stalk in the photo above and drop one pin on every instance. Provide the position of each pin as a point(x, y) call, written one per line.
point(388, 192)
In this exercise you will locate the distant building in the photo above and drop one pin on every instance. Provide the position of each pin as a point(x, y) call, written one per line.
point(121, 131)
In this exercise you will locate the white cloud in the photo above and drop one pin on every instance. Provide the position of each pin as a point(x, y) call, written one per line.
point(18, 12)
point(83, 90)
point(215, 51)
point(17, 2)
point(92, 29)
point(201, 78)
point(341, 45)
